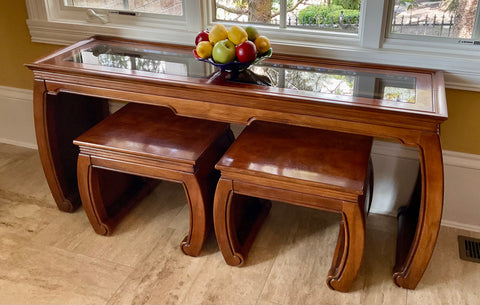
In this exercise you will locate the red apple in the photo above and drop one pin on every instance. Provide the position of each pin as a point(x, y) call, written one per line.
point(202, 36)
point(246, 52)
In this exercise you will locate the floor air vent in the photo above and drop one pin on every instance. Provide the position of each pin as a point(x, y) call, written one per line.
point(469, 248)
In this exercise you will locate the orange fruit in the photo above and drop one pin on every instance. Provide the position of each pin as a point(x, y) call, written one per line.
point(263, 44)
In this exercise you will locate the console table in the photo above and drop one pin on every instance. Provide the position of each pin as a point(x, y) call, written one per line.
point(72, 88)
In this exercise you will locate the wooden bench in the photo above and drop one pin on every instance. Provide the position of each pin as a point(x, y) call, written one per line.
point(308, 167)
point(150, 142)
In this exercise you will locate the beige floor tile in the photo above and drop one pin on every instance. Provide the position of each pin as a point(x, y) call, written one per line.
point(299, 273)
point(203, 280)
point(219, 283)
point(163, 277)
point(12, 153)
point(20, 222)
point(378, 261)
point(472, 234)
point(22, 178)
point(133, 239)
point(448, 279)
point(52, 276)
point(51, 257)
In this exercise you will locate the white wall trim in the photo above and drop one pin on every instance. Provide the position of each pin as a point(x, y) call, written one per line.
point(452, 158)
point(460, 159)
point(462, 170)
point(16, 117)
point(462, 177)
point(18, 143)
point(21, 95)
point(459, 225)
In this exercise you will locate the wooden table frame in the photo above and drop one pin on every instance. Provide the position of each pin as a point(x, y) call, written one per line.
point(69, 98)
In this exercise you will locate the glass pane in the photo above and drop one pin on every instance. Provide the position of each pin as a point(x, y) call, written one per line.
point(445, 18)
point(339, 15)
point(136, 59)
point(317, 82)
point(248, 11)
point(333, 15)
point(166, 7)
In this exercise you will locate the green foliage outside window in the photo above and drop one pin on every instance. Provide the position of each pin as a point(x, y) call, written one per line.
point(324, 13)
point(350, 16)
point(316, 13)
point(347, 4)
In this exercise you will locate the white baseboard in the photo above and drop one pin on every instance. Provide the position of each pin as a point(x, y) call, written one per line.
point(395, 166)
point(19, 143)
point(460, 225)
point(16, 117)
point(395, 170)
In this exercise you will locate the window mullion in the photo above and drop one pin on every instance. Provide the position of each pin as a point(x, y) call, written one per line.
point(283, 14)
point(372, 23)
point(193, 11)
point(476, 24)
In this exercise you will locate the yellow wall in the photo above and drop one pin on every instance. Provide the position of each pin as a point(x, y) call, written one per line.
point(461, 132)
point(16, 49)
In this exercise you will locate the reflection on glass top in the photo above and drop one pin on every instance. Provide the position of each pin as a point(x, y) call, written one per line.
point(307, 80)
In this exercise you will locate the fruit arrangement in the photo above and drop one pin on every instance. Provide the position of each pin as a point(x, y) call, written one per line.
point(237, 45)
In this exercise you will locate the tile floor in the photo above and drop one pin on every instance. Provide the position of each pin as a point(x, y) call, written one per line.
point(51, 257)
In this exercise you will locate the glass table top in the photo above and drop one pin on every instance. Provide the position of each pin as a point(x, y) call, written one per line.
point(307, 80)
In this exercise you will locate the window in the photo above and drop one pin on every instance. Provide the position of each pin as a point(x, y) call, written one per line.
point(67, 21)
point(375, 31)
point(169, 7)
point(330, 15)
point(454, 20)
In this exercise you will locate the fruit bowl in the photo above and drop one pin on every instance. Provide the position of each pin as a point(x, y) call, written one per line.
point(234, 66)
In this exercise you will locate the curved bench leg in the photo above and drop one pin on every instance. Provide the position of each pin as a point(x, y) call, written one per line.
point(224, 229)
point(91, 198)
point(238, 219)
point(197, 193)
point(349, 249)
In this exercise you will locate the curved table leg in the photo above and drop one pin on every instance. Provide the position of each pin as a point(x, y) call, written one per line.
point(108, 195)
point(58, 120)
point(198, 202)
point(425, 213)
point(226, 239)
point(91, 198)
point(237, 219)
point(349, 250)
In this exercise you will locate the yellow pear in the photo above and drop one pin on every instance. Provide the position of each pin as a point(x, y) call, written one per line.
point(237, 35)
point(217, 33)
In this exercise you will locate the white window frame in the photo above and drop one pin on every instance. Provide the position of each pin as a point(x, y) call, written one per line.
point(49, 22)
point(52, 22)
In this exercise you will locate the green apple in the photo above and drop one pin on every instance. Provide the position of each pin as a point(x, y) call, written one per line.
point(224, 51)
